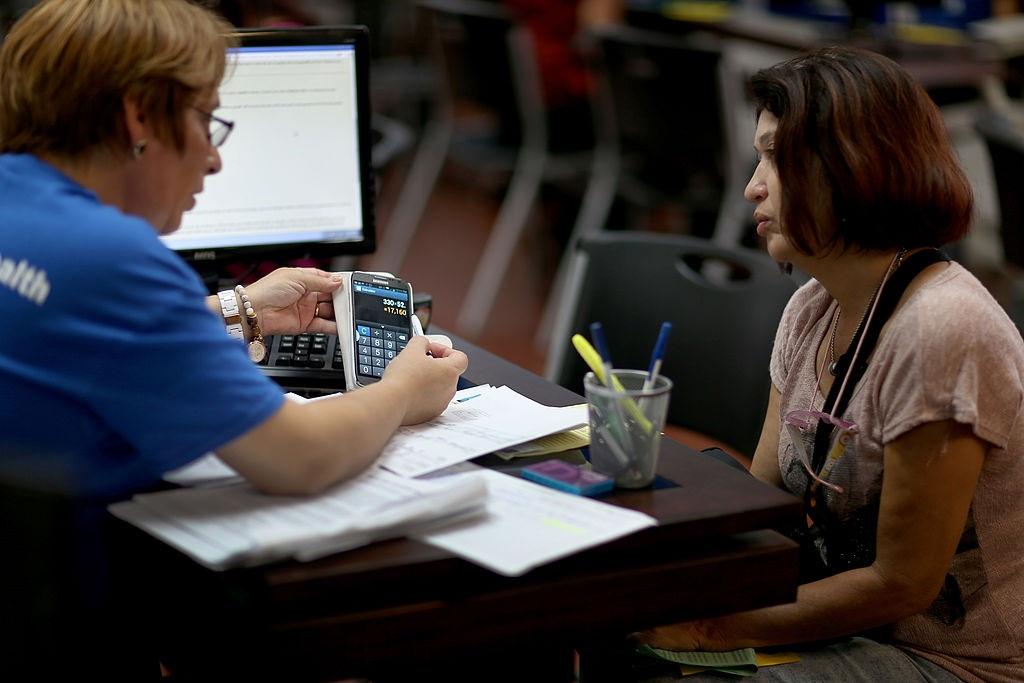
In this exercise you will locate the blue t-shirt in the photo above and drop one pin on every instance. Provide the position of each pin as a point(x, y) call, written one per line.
point(112, 369)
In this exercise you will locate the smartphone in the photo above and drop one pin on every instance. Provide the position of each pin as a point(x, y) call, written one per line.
point(381, 322)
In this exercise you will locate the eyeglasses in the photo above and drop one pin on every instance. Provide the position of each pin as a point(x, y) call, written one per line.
point(218, 129)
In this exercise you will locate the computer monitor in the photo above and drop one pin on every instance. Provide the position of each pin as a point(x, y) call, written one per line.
point(296, 177)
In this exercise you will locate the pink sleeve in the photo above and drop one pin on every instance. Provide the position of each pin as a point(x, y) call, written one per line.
point(952, 355)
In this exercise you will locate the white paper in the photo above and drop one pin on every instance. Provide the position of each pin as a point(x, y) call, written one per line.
point(238, 526)
point(470, 393)
point(527, 525)
point(209, 470)
point(488, 422)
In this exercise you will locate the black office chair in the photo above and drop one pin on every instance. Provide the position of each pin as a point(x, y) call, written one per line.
point(1005, 142)
point(724, 304)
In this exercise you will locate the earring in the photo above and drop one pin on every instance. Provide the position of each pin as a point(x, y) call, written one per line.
point(138, 148)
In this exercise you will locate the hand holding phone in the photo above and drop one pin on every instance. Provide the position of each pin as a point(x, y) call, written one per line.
point(382, 302)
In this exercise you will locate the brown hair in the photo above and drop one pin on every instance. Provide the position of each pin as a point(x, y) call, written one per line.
point(67, 65)
point(862, 155)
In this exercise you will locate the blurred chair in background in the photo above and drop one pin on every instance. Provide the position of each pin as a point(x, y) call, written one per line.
point(564, 79)
point(674, 129)
point(723, 329)
point(489, 116)
point(264, 13)
point(660, 125)
point(1004, 140)
point(403, 81)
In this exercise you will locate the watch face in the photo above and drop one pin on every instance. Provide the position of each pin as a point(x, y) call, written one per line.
point(257, 350)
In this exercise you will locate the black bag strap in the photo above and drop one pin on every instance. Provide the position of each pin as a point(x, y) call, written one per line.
point(887, 300)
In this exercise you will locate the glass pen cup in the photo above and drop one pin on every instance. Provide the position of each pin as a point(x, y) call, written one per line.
point(626, 421)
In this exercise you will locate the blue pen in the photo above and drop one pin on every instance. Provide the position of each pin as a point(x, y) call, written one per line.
point(654, 369)
point(621, 425)
point(597, 334)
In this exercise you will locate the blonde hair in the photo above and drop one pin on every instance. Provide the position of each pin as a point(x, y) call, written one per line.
point(67, 65)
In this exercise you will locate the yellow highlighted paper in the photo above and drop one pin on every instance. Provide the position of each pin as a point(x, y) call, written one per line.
point(776, 658)
point(546, 445)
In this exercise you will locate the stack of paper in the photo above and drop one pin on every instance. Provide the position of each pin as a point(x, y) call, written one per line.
point(527, 525)
point(498, 521)
point(479, 420)
point(486, 419)
point(235, 525)
point(555, 443)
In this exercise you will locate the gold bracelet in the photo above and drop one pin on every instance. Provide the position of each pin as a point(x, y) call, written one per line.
point(257, 345)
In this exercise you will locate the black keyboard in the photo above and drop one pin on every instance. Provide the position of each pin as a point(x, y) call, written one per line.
point(305, 363)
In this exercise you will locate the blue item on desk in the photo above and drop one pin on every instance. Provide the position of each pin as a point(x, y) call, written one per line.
point(567, 477)
point(660, 482)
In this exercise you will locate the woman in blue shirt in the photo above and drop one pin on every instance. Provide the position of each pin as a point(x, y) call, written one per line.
point(114, 365)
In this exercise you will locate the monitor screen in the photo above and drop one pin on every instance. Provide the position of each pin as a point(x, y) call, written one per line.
point(296, 177)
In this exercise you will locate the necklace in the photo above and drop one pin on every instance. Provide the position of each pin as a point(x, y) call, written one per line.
point(832, 343)
point(833, 363)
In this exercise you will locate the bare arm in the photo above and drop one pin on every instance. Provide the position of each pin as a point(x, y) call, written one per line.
point(765, 465)
point(303, 449)
point(930, 477)
point(213, 303)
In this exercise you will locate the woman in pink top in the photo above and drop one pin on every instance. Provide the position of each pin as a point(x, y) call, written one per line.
point(912, 555)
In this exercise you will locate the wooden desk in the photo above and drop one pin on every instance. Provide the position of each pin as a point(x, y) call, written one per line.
point(401, 610)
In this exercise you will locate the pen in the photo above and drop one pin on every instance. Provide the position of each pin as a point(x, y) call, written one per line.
point(417, 329)
point(620, 426)
point(590, 357)
point(657, 355)
point(593, 360)
point(621, 459)
point(597, 334)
